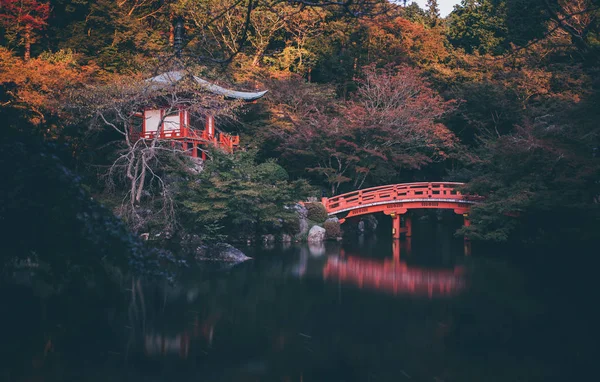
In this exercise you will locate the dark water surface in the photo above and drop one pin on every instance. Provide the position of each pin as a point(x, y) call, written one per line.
point(365, 309)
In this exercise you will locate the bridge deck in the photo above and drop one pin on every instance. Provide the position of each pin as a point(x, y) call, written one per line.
point(397, 198)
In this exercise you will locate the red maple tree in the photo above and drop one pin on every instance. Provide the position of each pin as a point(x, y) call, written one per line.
point(391, 124)
point(21, 18)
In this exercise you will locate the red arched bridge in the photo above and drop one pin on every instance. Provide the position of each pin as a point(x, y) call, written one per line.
point(397, 199)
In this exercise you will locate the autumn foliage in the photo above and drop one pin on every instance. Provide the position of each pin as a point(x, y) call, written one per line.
point(22, 19)
point(391, 124)
point(501, 94)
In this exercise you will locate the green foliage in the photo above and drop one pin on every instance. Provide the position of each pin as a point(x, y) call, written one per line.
point(291, 224)
point(66, 56)
point(523, 129)
point(243, 198)
point(540, 186)
point(316, 212)
point(478, 26)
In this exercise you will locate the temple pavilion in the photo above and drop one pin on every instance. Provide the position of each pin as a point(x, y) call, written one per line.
point(176, 125)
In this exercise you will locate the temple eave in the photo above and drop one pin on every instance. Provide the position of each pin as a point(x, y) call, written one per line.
point(170, 78)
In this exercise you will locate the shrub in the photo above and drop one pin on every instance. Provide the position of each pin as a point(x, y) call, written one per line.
point(316, 212)
point(333, 229)
point(291, 225)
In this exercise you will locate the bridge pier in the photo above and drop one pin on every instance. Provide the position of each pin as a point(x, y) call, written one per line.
point(395, 226)
point(408, 225)
point(397, 249)
point(467, 242)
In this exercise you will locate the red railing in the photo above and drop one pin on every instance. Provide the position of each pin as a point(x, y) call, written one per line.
point(222, 140)
point(438, 191)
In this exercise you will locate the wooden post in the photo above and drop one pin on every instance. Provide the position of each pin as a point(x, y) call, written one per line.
point(408, 225)
point(395, 226)
point(467, 242)
point(210, 126)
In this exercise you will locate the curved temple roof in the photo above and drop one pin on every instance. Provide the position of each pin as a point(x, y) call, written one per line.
point(173, 77)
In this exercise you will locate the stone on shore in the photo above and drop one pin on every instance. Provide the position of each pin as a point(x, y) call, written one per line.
point(316, 234)
point(220, 252)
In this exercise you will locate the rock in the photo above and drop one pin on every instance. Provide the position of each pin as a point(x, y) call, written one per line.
point(371, 223)
point(285, 238)
point(220, 252)
point(189, 242)
point(361, 226)
point(302, 221)
point(266, 239)
point(301, 210)
point(316, 234)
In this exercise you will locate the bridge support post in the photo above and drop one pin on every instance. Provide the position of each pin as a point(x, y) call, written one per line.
point(395, 226)
point(467, 242)
point(408, 225)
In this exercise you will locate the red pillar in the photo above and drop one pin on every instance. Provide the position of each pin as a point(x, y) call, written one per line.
point(184, 144)
point(195, 150)
point(408, 225)
point(396, 226)
point(210, 126)
point(467, 242)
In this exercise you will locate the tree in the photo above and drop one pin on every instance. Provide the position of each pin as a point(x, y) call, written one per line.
point(479, 26)
point(573, 20)
point(265, 24)
point(140, 166)
point(39, 84)
point(389, 126)
point(243, 198)
point(22, 19)
point(433, 12)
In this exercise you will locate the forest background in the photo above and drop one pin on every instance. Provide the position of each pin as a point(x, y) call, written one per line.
point(500, 94)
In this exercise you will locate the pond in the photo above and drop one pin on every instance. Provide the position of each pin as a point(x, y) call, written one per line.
point(364, 309)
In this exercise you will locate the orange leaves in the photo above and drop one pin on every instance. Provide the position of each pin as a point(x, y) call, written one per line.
point(399, 41)
point(40, 83)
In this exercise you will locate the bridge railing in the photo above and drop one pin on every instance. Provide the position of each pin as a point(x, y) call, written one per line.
point(390, 193)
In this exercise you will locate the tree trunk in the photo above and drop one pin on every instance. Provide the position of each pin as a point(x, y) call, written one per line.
point(140, 185)
point(258, 57)
point(27, 43)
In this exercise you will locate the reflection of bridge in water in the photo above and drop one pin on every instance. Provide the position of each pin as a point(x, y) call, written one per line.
point(394, 276)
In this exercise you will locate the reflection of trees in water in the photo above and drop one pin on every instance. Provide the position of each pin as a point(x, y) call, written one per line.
point(264, 312)
point(261, 318)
